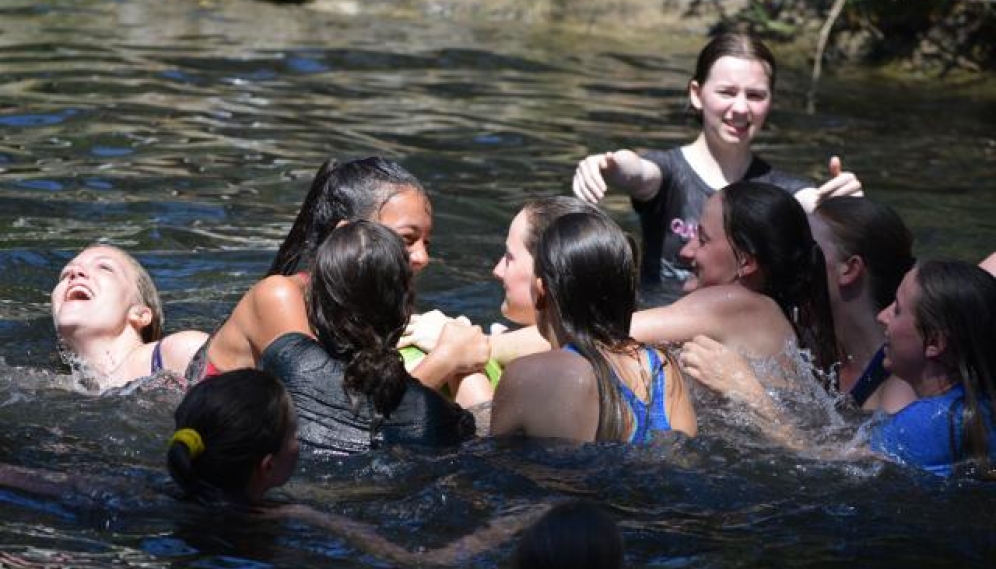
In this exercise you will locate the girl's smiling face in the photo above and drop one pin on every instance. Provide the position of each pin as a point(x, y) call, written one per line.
point(409, 214)
point(710, 254)
point(734, 100)
point(98, 291)
point(905, 348)
point(515, 271)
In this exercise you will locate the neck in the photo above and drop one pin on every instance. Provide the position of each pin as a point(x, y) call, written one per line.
point(732, 161)
point(859, 336)
point(103, 356)
point(934, 381)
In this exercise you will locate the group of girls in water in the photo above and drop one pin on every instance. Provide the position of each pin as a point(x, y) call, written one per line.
point(760, 280)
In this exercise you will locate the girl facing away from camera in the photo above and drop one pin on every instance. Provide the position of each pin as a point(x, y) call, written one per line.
point(348, 380)
point(597, 383)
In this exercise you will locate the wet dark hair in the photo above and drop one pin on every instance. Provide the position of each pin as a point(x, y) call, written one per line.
point(359, 299)
point(572, 535)
point(587, 266)
point(743, 46)
point(767, 223)
point(340, 192)
point(957, 300)
point(543, 211)
point(877, 234)
point(241, 416)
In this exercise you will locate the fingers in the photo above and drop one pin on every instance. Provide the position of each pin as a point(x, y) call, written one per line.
point(588, 183)
point(835, 166)
point(844, 184)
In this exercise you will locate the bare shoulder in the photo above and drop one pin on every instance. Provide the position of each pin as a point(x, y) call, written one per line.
point(555, 372)
point(179, 348)
point(277, 290)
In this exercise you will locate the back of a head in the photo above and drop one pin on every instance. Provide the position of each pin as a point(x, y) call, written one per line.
point(958, 300)
point(359, 300)
point(768, 223)
point(877, 234)
point(340, 192)
point(544, 211)
point(225, 426)
point(573, 535)
point(587, 265)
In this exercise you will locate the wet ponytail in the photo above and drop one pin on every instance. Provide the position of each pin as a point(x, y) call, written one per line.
point(225, 427)
point(359, 299)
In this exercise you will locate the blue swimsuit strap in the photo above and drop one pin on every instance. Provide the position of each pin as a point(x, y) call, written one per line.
point(157, 358)
point(870, 380)
point(645, 420)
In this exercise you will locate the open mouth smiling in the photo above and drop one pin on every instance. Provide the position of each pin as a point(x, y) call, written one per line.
point(78, 292)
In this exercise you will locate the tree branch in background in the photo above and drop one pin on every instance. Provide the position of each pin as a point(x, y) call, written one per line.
point(821, 45)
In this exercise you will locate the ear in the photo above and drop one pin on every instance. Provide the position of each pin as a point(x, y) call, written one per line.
point(342, 223)
point(695, 95)
point(261, 474)
point(850, 270)
point(935, 346)
point(139, 316)
point(539, 294)
point(748, 265)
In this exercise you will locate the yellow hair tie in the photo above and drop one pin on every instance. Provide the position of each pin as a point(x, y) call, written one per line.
point(189, 438)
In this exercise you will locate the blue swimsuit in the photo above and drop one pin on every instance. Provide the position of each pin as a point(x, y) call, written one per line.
point(646, 420)
point(928, 432)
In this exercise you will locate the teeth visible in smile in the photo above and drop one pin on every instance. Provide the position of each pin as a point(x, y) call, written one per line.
point(78, 292)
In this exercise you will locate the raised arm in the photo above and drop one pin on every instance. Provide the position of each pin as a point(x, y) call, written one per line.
point(623, 169)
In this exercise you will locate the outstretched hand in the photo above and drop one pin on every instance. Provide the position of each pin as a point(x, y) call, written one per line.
point(841, 183)
point(597, 172)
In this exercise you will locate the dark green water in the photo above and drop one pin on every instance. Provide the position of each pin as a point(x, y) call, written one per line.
point(188, 132)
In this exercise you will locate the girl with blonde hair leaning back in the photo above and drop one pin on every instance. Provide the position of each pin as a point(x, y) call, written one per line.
point(108, 315)
point(597, 383)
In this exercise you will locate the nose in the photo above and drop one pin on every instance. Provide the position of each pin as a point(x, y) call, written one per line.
point(418, 256)
point(75, 271)
point(884, 316)
point(687, 252)
point(499, 270)
point(740, 103)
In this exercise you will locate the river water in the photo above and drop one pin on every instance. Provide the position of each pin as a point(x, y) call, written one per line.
point(187, 132)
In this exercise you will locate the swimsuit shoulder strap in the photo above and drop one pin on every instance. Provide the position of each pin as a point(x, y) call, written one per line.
point(157, 358)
